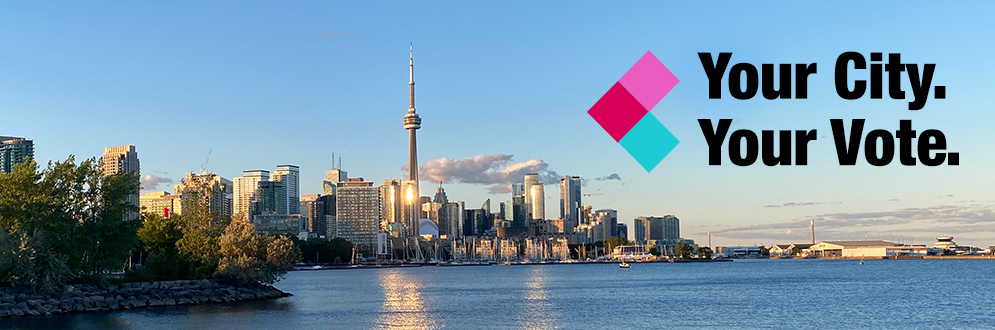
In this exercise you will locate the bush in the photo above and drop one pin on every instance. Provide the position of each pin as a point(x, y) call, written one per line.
point(27, 260)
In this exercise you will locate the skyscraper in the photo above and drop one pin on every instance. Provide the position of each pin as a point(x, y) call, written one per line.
point(332, 178)
point(357, 214)
point(245, 189)
point(291, 177)
point(13, 151)
point(313, 207)
point(412, 122)
point(538, 201)
point(570, 202)
point(530, 180)
point(122, 159)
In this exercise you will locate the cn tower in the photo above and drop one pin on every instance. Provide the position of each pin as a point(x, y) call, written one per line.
point(412, 123)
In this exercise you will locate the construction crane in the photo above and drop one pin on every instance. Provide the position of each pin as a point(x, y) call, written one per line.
point(589, 195)
point(203, 168)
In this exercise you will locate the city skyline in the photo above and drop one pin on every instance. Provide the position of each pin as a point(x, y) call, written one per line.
point(346, 93)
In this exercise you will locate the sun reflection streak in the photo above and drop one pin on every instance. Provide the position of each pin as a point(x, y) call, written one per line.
point(539, 312)
point(403, 307)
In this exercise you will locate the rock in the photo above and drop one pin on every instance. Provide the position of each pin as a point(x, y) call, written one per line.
point(32, 312)
point(78, 307)
point(184, 301)
point(155, 302)
point(52, 302)
point(169, 302)
point(4, 312)
point(17, 311)
point(113, 304)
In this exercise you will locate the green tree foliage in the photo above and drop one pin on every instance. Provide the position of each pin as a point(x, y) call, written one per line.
point(617, 241)
point(247, 256)
point(26, 260)
point(682, 250)
point(655, 251)
point(72, 212)
point(705, 252)
point(317, 250)
point(764, 251)
point(201, 234)
point(159, 236)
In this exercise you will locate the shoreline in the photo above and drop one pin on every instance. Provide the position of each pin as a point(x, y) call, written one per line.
point(84, 298)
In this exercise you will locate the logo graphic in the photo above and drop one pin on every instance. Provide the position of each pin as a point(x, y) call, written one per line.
point(624, 111)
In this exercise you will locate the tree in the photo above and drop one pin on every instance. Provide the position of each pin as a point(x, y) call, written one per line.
point(72, 210)
point(795, 251)
point(705, 252)
point(247, 256)
point(617, 241)
point(655, 251)
point(682, 250)
point(764, 251)
point(201, 233)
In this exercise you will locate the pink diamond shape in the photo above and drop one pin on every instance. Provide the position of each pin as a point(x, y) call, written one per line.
point(649, 81)
point(617, 111)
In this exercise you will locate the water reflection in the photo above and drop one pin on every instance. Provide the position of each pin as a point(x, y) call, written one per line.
point(403, 307)
point(538, 313)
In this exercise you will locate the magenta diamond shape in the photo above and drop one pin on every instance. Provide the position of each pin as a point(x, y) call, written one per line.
point(617, 111)
point(649, 81)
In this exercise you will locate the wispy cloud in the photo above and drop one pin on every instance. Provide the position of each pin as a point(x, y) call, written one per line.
point(497, 170)
point(972, 222)
point(613, 176)
point(794, 204)
point(151, 182)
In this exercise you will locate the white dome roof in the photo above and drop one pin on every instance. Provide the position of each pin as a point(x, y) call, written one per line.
point(427, 227)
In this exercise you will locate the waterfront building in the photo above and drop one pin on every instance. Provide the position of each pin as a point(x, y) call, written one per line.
point(453, 214)
point(570, 202)
point(739, 251)
point(215, 191)
point(780, 250)
point(290, 176)
point(608, 224)
point(13, 151)
point(313, 209)
point(123, 159)
point(357, 212)
point(244, 190)
point(160, 202)
point(328, 202)
point(865, 249)
point(519, 212)
point(640, 228)
point(622, 231)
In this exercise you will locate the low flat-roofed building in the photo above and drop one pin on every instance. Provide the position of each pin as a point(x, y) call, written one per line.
point(865, 249)
point(738, 251)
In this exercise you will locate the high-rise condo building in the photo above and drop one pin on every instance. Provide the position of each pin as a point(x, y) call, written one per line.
point(123, 159)
point(622, 231)
point(538, 197)
point(313, 207)
point(570, 202)
point(357, 214)
point(245, 189)
point(269, 199)
point(608, 221)
point(291, 178)
point(13, 151)
point(531, 179)
point(657, 228)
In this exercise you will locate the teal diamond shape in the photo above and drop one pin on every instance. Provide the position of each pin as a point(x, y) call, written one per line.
point(649, 142)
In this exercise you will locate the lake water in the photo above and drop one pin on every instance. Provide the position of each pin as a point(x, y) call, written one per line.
point(745, 294)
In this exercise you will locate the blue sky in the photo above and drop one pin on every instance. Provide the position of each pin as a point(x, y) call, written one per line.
point(263, 84)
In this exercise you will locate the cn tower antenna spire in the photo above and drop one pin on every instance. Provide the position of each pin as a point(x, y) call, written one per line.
point(411, 77)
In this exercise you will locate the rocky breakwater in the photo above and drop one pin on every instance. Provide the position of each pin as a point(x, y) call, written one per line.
point(22, 301)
